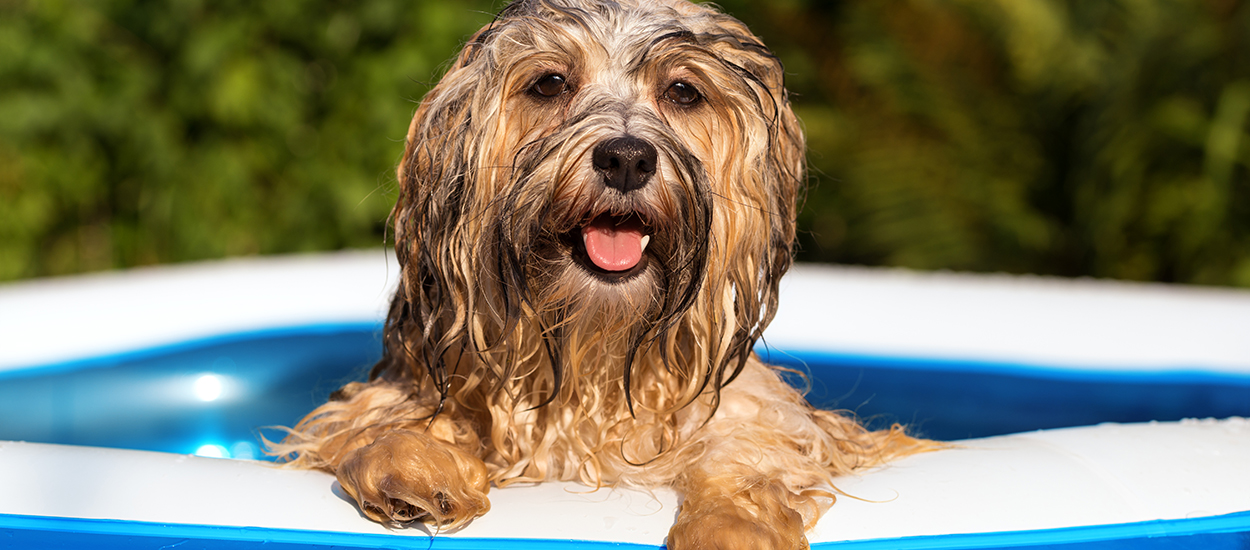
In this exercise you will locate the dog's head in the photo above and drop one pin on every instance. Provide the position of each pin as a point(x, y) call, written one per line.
point(595, 173)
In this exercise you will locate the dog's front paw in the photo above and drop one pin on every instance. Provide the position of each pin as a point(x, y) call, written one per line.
point(720, 524)
point(406, 476)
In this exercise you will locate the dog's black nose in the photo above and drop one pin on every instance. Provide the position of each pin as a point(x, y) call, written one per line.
point(626, 163)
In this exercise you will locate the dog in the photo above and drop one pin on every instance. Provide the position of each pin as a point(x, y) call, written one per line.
point(597, 202)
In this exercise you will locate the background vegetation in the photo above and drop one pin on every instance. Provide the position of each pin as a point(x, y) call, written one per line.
point(1078, 138)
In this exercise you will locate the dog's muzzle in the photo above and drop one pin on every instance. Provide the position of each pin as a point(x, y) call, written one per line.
point(615, 243)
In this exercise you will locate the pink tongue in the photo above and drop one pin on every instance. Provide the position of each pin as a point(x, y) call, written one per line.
point(613, 247)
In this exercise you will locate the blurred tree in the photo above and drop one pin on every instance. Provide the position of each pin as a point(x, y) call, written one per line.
point(1107, 139)
point(1065, 137)
point(137, 132)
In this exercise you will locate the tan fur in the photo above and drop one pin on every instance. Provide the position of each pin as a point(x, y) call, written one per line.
point(508, 361)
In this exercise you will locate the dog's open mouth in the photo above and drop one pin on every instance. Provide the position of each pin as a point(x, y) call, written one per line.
point(612, 245)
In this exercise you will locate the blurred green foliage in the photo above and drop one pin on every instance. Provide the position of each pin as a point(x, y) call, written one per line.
point(135, 132)
point(1104, 138)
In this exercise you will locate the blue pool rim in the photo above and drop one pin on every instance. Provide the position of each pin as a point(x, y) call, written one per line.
point(130, 534)
point(127, 356)
point(1177, 374)
point(1230, 531)
point(793, 356)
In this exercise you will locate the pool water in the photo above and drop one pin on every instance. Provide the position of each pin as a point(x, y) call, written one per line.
point(211, 397)
point(216, 396)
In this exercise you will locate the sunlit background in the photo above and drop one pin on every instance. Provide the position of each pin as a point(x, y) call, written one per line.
point(1106, 139)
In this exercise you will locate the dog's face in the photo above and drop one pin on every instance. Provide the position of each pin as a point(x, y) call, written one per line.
point(626, 169)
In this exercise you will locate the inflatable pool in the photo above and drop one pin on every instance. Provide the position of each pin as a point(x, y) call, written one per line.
point(1089, 414)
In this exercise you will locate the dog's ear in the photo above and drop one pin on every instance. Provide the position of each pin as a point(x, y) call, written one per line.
point(426, 326)
point(771, 174)
point(784, 170)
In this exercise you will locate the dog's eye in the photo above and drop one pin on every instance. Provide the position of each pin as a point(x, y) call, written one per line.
point(551, 85)
point(682, 94)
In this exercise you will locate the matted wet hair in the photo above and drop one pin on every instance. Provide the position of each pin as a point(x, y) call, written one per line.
point(468, 225)
point(510, 354)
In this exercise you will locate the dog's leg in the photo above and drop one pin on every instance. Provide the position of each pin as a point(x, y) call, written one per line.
point(766, 466)
point(398, 464)
point(736, 512)
point(749, 489)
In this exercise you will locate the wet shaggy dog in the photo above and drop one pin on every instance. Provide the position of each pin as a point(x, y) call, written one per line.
point(597, 202)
